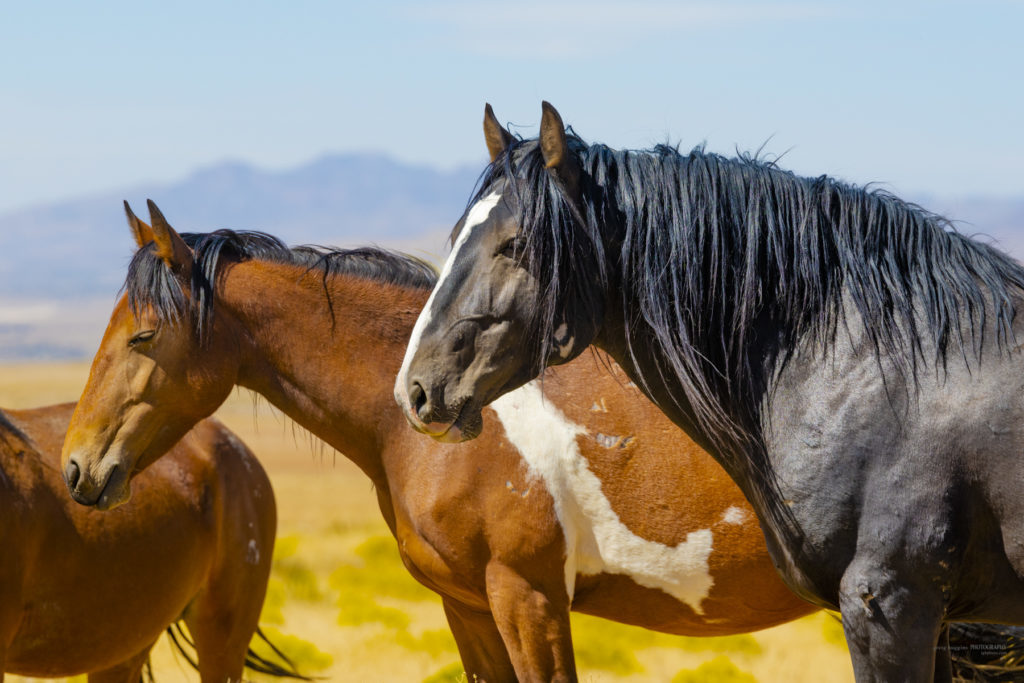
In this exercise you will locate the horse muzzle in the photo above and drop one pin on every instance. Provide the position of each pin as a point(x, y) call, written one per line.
point(452, 425)
point(105, 491)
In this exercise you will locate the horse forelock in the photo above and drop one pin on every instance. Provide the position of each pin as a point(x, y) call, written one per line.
point(152, 284)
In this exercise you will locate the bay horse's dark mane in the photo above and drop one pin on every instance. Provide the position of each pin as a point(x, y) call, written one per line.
point(150, 282)
point(717, 252)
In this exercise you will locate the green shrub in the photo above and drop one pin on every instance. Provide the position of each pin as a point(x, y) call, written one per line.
point(433, 642)
point(358, 608)
point(718, 670)
point(295, 573)
point(453, 673)
point(273, 603)
point(608, 645)
point(380, 573)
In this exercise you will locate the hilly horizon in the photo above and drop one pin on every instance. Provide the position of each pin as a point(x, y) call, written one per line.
point(79, 247)
point(62, 264)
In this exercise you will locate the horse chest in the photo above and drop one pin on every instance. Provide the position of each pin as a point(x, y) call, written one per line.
point(597, 541)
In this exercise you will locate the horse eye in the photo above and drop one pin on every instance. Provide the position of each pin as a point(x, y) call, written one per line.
point(512, 248)
point(141, 337)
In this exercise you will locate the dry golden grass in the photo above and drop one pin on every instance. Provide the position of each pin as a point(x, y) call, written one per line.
point(335, 561)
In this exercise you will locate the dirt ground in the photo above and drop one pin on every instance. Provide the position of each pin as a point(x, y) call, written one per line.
point(341, 603)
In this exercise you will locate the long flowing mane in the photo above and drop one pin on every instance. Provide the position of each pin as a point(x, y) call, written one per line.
point(725, 265)
point(150, 282)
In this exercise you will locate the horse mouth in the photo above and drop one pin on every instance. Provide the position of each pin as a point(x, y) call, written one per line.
point(466, 425)
point(114, 492)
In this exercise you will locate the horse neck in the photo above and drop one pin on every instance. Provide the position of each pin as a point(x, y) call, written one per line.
point(644, 369)
point(325, 354)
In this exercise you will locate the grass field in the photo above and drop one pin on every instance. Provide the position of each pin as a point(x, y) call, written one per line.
point(341, 602)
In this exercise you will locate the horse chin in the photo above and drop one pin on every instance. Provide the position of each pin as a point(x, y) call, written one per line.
point(117, 491)
point(467, 426)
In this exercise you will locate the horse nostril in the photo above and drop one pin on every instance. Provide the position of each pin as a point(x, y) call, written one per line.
point(72, 474)
point(418, 398)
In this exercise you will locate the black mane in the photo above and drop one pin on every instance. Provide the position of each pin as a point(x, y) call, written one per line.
point(730, 262)
point(150, 282)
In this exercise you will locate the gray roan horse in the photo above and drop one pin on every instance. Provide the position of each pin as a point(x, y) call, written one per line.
point(851, 361)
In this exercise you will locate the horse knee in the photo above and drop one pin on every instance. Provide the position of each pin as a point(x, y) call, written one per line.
point(892, 624)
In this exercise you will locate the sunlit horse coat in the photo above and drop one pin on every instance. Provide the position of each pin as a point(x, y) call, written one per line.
point(852, 363)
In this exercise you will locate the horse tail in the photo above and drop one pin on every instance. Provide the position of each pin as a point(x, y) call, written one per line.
point(254, 662)
point(986, 652)
point(186, 647)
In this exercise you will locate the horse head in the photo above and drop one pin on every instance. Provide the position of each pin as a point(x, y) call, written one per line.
point(152, 378)
point(503, 307)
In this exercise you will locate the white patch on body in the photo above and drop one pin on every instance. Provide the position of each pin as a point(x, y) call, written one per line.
point(734, 515)
point(477, 215)
point(596, 540)
point(252, 554)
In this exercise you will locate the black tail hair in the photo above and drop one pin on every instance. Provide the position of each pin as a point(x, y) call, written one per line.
point(184, 644)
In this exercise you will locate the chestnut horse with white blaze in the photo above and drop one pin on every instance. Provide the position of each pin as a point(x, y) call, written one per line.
point(581, 496)
point(88, 592)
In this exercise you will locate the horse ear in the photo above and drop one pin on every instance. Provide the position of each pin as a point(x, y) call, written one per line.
point(558, 159)
point(141, 231)
point(497, 137)
point(169, 245)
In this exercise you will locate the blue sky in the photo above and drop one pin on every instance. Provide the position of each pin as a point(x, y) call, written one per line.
point(927, 97)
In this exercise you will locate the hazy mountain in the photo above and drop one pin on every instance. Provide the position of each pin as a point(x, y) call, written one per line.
point(62, 265)
point(79, 248)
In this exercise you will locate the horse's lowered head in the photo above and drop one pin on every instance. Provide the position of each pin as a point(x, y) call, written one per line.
point(510, 299)
point(152, 378)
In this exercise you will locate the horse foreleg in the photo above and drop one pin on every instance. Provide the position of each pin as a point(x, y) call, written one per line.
point(892, 626)
point(534, 624)
point(481, 648)
point(128, 671)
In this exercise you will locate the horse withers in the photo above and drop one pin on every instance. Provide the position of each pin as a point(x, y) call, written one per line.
point(580, 497)
point(849, 358)
point(83, 591)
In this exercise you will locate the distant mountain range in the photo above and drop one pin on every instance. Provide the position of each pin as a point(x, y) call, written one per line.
point(61, 265)
point(79, 248)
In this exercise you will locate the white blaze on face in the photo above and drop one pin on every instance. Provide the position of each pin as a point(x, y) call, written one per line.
point(476, 216)
point(596, 540)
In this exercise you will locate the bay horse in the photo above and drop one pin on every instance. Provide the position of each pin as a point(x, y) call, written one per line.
point(584, 497)
point(849, 359)
point(87, 592)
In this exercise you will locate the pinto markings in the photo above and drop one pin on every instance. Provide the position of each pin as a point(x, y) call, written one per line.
point(734, 515)
point(596, 540)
